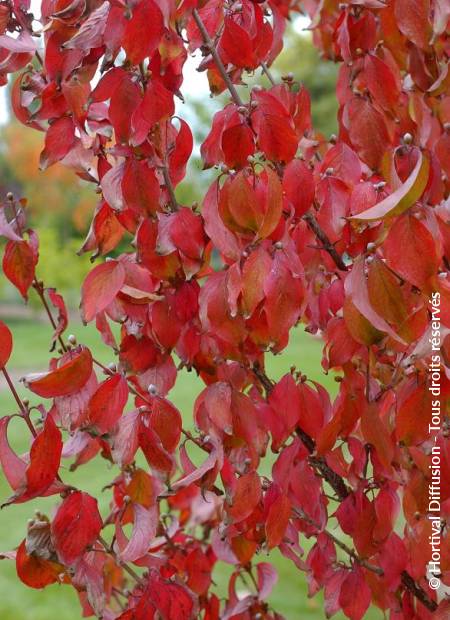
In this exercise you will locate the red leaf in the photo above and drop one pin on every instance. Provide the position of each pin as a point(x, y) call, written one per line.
point(356, 289)
point(238, 204)
point(199, 568)
point(157, 103)
point(413, 417)
point(274, 125)
point(126, 438)
point(393, 560)
point(367, 130)
point(254, 273)
point(246, 496)
point(375, 433)
point(237, 145)
point(277, 521)
point(172, 600)
point(19, 263)
point(355, 595)
point(6, 344)
point(124, 100)
point(273, 204)
point(143, 31)
point(298, 183)
point(284, 295)
point(179, 157)
point(236, 46)
point(415, 257)
point(59, 139)
point(413, 20)
point(225, 241)
point(100, 288)
point(155, 453)
point(165, 420)
point(68, 378)
point(285, 401)
point(45, 457)
point(34, 571)
point(383, 85)
point(107, 403)
point(76, 525)
point(90, 33)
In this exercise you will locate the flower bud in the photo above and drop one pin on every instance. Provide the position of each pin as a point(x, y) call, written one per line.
point(407, 138)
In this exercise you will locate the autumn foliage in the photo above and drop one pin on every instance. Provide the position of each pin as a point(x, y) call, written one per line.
point(348, 236)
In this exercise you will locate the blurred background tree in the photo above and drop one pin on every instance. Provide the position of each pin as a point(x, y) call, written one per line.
point(58, 198)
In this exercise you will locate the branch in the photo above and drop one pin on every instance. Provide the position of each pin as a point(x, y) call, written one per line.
point(374, 569)
point(219, 64)
point(319, 463)
point(342, 491)
point(326, 243)
point(418, 592)
point(267, 383)
point(118, 561)
point(40, 290)
point(334, 480)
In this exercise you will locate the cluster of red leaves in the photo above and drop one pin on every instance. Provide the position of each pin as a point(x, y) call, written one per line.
point(349, 236)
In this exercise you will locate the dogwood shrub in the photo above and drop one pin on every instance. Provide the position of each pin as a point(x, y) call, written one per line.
point(347, 236)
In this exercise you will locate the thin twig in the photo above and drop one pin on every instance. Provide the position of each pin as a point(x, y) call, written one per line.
point(23, 410)
point(326, 243)
point(170, 189)
point(342, 491)
point(268, 73)
point(374, 569)
point(125, 566)
point(40, 290)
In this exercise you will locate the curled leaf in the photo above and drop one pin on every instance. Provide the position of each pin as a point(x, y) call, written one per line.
point(70, 377)
point(402, 198)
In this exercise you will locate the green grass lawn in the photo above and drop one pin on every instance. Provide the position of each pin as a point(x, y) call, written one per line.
point(59, 602)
